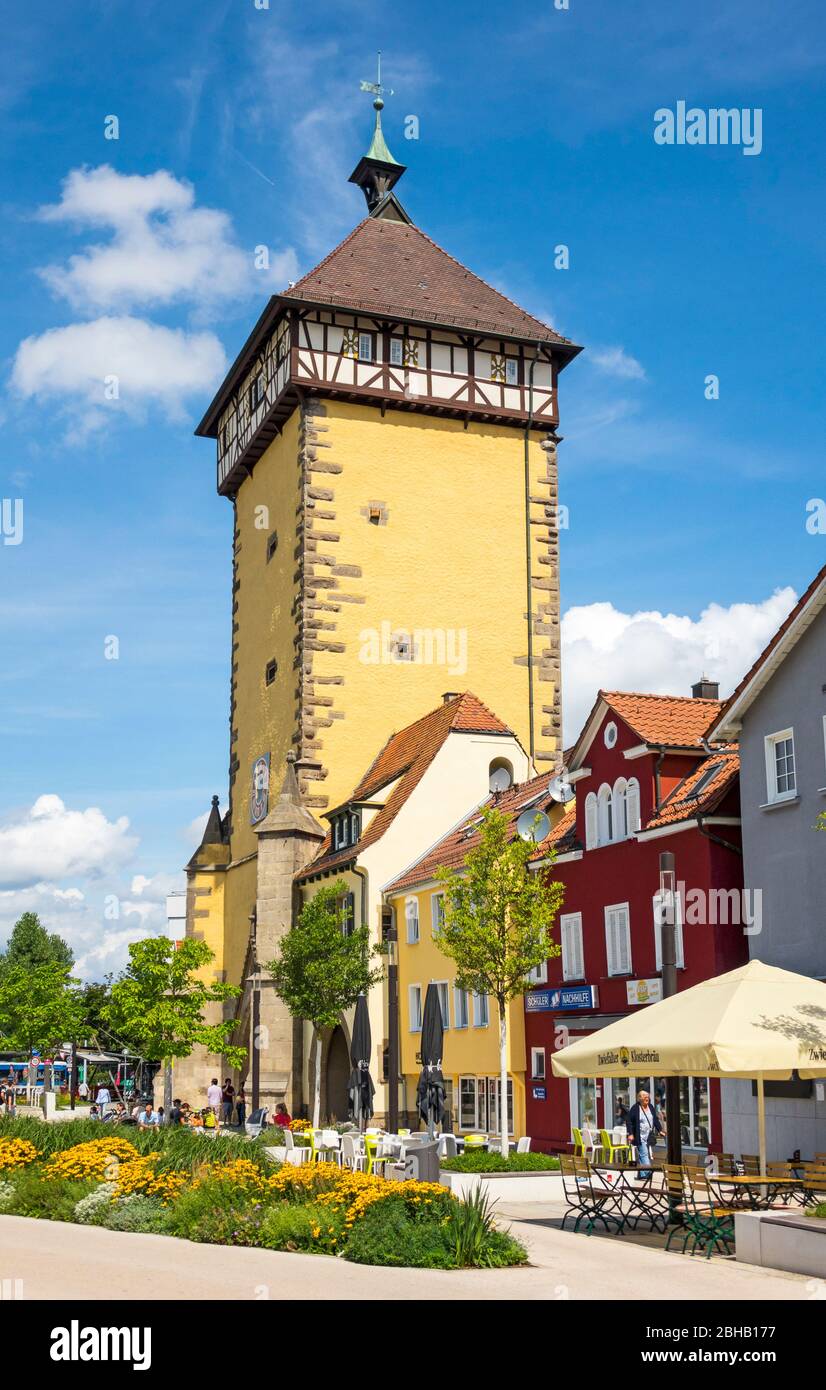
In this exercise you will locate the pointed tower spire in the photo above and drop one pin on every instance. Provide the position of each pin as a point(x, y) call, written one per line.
point(377, 171)
point(213, 830)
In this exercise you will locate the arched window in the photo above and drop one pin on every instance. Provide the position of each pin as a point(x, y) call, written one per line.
point(605, 816)
point(591, 822)
point(632, 806)
point(620, 813)
point(500, 775)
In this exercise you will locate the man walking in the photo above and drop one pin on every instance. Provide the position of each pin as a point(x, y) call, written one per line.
point(214, 1099)
point(643, 1126)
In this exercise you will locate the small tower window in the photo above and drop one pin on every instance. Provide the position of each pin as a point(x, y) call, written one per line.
point(271, 671)
point(272, 545)
point(511, 371)
point(256, 393)
point(366, 353)
point(396, 352)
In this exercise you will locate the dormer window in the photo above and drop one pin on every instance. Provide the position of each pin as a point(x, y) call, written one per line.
point(346, 829)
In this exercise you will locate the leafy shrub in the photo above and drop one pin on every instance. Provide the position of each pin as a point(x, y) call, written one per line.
point(819, 1210)
point(386, 1234)
point(474, 1239)
point(136, 1213)
point(480, 1161)
point(303, 1226)
point(7, 1193)
point(51, 1201)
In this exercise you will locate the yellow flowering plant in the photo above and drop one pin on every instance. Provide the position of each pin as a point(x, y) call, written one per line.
point(16, 1153)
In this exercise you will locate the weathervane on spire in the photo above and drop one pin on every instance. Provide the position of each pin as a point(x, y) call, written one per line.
point(379, 92)
point(377, 170)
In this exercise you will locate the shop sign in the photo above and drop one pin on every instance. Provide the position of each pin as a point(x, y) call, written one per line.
point(558, 1000)
point(644, 991)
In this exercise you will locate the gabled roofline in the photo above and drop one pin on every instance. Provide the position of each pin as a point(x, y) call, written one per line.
point(729, 720)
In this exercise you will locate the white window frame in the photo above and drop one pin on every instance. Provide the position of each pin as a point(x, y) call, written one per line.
point(539, 974)
point(481, 1011)
point(366, 337)
point(414, 994)
point(437, 908)
point(461, 1007)
point(591, 821)
point(397, 352)
point(770, 743)
point(659, 910)
point(632, 807)
point(443, 988)
point(511, 371)
point(538, 1075)
point(605, 815)
point(613, 965)
point(572, 921)
point(413, 933)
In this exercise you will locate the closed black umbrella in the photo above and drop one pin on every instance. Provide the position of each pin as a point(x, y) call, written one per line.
point(430, 1093)
point(360, 1088)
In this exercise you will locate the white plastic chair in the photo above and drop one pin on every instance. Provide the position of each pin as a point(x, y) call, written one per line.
point(448, 1148)
point(352, 1153)
point(524, 1144)
point(328, 1146)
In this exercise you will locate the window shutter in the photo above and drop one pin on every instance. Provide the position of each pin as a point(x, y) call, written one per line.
point(632, 806)
point(591, 833)
point(617, 935)
point(620, 809)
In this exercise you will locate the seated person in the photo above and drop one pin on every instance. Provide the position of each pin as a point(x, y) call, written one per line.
point(147, 1115)
point(282, 1116)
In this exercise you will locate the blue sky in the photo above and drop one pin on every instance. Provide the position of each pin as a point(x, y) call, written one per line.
point(238, 127)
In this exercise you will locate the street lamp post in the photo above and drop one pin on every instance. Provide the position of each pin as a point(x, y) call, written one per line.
point(668, 950)
point(392, 1029)
point(256, 1010)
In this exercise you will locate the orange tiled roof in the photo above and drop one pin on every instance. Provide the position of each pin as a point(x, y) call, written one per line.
point(452, 850)
point(678, 721)
point(387, 266)
point(404, 759)
point(683, 803)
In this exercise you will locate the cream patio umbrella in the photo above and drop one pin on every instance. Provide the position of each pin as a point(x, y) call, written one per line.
point(757, 1023)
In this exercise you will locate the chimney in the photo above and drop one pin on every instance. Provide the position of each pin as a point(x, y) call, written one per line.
point(448, 696)
point(704, 689)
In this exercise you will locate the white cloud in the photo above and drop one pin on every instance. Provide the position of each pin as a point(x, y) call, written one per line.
point(76, 364)
point(615, 361)
point(660, 653)
point(163, 249)
point(50, 842)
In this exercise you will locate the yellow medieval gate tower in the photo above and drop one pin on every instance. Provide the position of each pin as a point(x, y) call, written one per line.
point(387, 440)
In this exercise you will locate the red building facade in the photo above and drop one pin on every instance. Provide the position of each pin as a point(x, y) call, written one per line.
point(645, 783)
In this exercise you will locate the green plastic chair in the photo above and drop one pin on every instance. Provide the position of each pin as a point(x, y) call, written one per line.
point(610, 1149)
point(475, 1141)
point(579, 1143)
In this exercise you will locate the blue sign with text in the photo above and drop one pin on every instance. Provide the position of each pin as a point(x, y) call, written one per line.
point(557, 1000)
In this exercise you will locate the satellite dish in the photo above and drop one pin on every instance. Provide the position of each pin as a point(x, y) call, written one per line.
point(533, 825)
point(500, 779)
point(560, 788)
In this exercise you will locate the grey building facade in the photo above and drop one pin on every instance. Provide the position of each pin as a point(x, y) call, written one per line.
point(778, 716)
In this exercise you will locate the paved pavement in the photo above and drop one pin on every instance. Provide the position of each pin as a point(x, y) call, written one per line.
point(60, 1260)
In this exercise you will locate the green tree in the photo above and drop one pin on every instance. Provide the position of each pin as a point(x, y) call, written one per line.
point(497, 925)
point(30, 944)
point(160, 998)
point(40, 1007)
point(323, 966)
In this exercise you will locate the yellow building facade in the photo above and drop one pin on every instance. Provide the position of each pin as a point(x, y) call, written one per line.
point(470, 1063)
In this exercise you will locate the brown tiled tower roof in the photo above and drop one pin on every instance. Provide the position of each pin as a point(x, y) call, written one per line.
point(392, 267)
